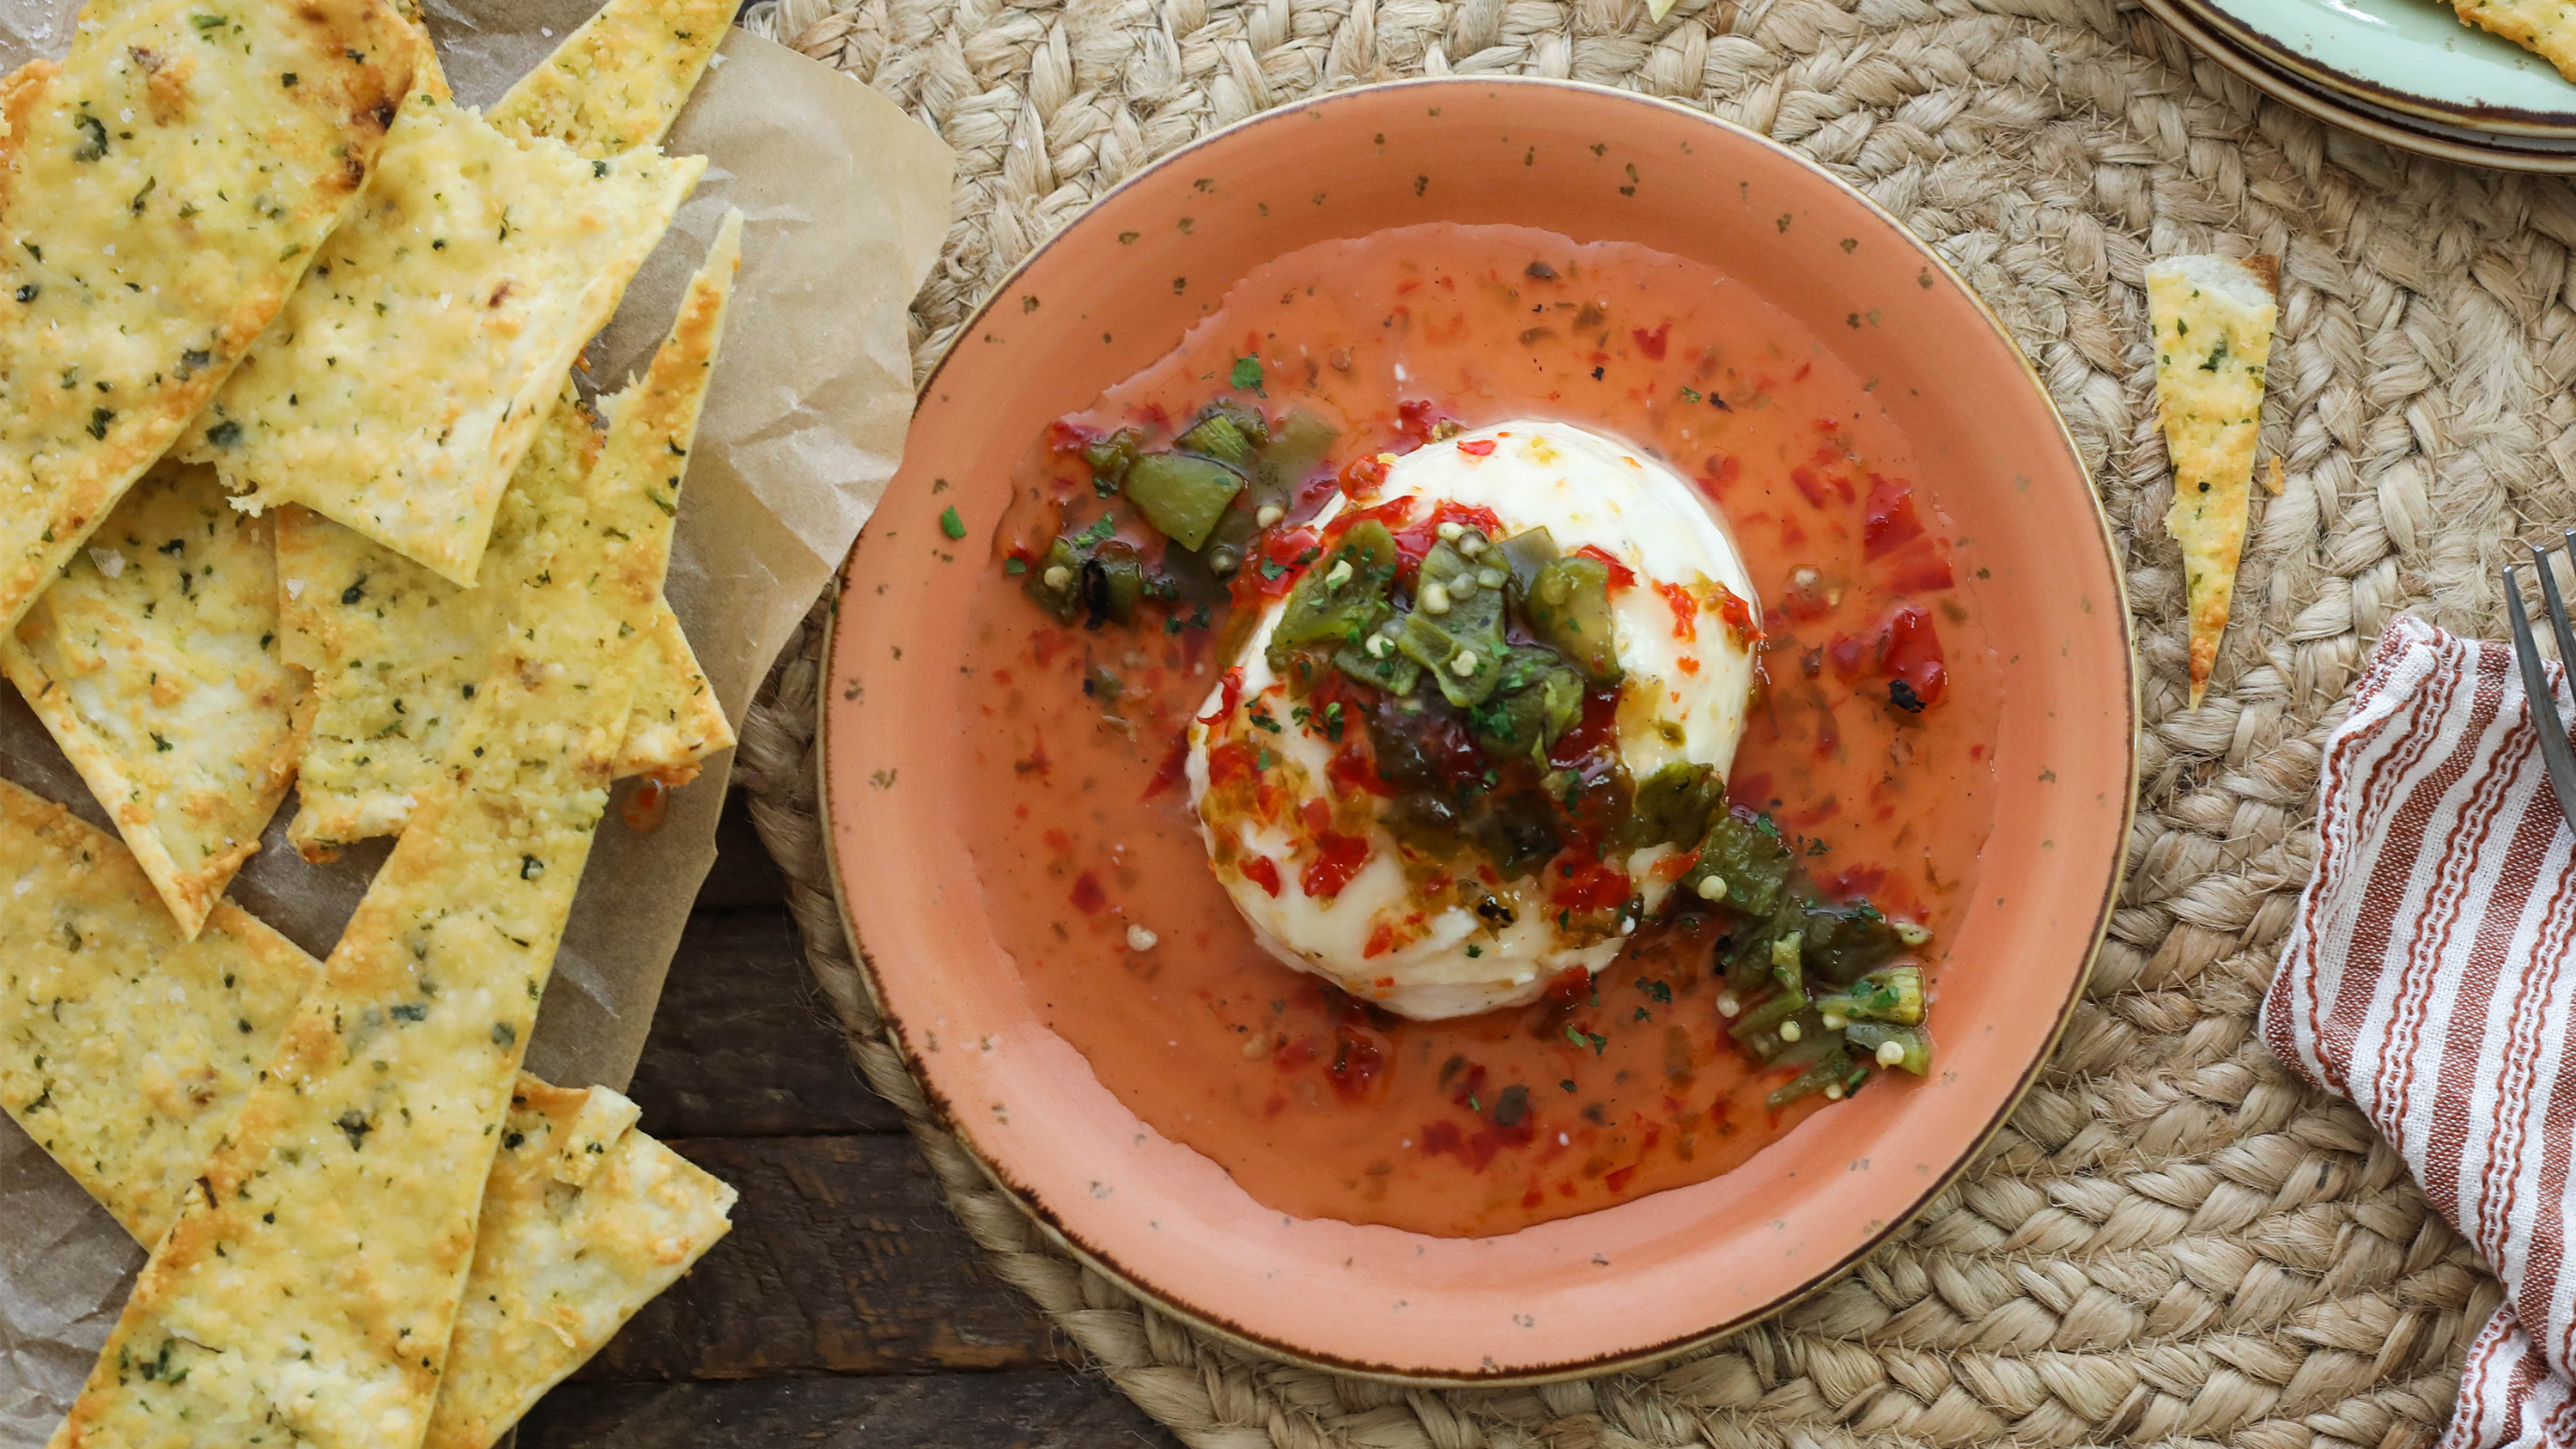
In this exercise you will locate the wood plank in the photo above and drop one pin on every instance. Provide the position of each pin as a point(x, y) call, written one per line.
point(843, 1260)
point(744, 874)
point(743, 1046)
point(946, 1411)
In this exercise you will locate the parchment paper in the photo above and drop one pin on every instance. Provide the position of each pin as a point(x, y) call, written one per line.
point(846, 201)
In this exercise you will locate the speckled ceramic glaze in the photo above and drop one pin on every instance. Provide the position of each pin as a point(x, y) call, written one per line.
point(2411, 59)
point(1117, 289)
point(2467, 145)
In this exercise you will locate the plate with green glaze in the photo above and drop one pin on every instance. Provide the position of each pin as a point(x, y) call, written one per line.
point(2411, 57)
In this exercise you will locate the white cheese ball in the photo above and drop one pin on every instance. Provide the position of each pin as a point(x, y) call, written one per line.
point(1403, 932)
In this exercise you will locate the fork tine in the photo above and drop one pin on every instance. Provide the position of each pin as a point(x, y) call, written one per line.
point(2556, 753)
point(2557, 607)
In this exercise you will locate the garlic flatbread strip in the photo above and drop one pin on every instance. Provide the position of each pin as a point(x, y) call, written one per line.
point(402, 383)
point(314, 1273)
point(125, 1049)
point(153, 661)
point(161, 190)
point(619, 81)
point(2212, 321)
point(587, 1252)
point(397, 653)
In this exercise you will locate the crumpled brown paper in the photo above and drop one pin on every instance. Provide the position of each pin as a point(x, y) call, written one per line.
point(846, 201)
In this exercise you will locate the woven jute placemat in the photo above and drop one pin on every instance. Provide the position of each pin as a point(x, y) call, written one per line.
point(2172, 1241)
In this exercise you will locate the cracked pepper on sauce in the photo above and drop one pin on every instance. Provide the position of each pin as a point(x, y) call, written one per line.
point(1870, 746)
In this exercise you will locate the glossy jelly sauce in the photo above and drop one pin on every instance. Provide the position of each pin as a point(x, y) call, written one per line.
point(1870, 744)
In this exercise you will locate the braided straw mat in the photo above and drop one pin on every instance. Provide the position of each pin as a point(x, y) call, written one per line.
point(2171, 1241)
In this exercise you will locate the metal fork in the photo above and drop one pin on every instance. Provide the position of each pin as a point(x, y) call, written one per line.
point(2555, 750)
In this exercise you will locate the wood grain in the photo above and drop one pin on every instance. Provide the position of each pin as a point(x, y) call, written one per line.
point(843, 1260)
point(949, 1411)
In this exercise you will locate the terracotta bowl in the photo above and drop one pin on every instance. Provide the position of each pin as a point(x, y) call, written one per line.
point(1654, 1275)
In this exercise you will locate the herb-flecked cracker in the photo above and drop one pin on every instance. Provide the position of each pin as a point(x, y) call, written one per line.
point(154, 662)
point(125, 1048)
point(618, 81)
point(398, 652)
point(399, 387)
point(315, 1271)
point(161, 191)
point(2211, 319)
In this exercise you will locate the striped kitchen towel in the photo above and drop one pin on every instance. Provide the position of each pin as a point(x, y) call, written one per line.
point(2431, 978)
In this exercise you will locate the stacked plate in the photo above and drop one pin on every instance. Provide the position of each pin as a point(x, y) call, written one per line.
point(2406, 72)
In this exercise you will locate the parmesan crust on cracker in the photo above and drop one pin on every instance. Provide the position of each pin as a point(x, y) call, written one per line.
point(2543, 27)
point(2211, 319)
point(619, 81)
point(125, 1049)
point(400, 386)
point(311, 1280)
point(162, 188)
point(154, 662)
point(398, 652)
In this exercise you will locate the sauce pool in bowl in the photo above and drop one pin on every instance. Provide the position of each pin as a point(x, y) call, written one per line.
point(1110, 1091)
point(1622, 1087)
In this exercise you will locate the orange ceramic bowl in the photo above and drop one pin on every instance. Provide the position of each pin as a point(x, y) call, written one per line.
point(1660, 1273)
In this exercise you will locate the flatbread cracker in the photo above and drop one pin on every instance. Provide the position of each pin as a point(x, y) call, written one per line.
point(400, 386)
point(161, 191)
point(154, 662)
point(619, 81)
point(2212, 321)
point(125, 1050)
point(397, 653)
point(314, 1273)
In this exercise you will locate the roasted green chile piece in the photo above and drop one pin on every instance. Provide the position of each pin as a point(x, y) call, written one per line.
point(1913, 1047)
point(1836, 1077)
point(1524, 554)
point(1536, 700)
point(1568, 606)
point(1342, 597)
point(1456, 628)
point(1746, 852)
point(1182, 494)
point(1055, 582)
point(1842, 942)
point(1229, 432)
point(1375, 661)
point(1112, 582)
point(1110, 458)
point(1297, 447)
point(1891, 994)
point(1674, 805)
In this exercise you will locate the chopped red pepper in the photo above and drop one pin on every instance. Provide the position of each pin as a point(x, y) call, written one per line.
point(1087, 896)
point(1416, 418)
point(1352, 772)
point(1810, 486)
point(1477, 447)
point(1621, 576)
point(1580, 883)
point(1361, 477)
point(1381, 940)
point(1232, 761)
point(1338, 857)
point(1652, 342)
point(1261, 871)
point(1232, 696)
point(1888, 520)
point(1738, 616)
point(1176, 763)
point(1914, 653)
point(1359, 1060)
point(1685, 609)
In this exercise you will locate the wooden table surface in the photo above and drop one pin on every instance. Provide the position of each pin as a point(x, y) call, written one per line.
point(847, 1307)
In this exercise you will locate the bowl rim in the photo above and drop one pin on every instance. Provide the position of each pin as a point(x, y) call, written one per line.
point(2339, 111)
point(1028, 1201)
point(2503, 121)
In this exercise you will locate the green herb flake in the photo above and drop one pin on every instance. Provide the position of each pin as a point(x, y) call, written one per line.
point(951, 524)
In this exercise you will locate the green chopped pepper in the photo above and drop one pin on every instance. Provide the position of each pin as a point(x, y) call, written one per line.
point(1230, 432)
point(1524, 554)
point(1843, 942)
point(1110, 458)
point(1182, 495)
point(1536, 700)
point(1745, 852)
point(1456, 628)
point(1835, 1077)
point(1113, 579)
point(1912, 1048)
point(1891, 994)
point(1055, 583)
point(1342, 598)
point(1569, 610)
point(1674, 806)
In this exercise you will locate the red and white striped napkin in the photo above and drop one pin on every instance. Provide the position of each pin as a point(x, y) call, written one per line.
point(2431, 978)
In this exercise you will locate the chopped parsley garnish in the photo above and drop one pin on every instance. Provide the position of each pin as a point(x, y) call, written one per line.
point(951, 524)
point(1247, 374)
